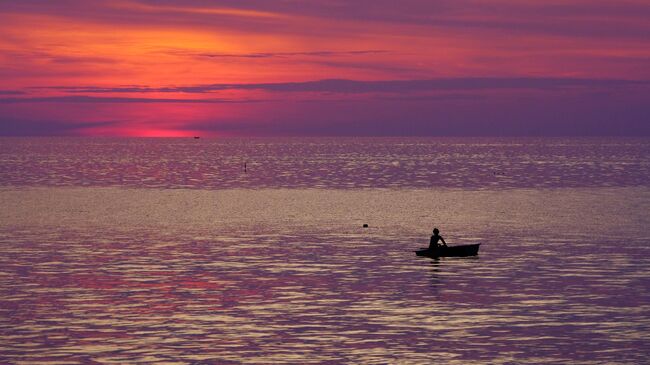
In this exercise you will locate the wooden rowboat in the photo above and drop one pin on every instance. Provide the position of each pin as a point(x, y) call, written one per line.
point(450, 251)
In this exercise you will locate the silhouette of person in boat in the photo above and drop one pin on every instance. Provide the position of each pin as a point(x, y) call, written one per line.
point(433, 244)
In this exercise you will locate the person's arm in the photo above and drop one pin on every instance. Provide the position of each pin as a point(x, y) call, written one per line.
point(443, 241)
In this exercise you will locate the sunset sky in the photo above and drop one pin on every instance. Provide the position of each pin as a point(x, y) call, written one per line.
point(324, 67)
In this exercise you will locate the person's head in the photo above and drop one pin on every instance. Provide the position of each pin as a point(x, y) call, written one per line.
point(436, 231)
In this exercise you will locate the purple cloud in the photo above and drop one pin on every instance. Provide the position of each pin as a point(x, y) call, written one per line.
point(580, 18)
point(94, 99)
point(46, 127)
point(288, 54)
point(385, 86)
point(582, 115)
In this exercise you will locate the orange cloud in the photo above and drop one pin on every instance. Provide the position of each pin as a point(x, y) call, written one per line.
point(146, 56)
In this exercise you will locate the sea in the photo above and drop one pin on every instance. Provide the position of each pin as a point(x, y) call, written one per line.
point(253, 251)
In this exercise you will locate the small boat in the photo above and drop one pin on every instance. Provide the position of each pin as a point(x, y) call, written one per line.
point(450, 251)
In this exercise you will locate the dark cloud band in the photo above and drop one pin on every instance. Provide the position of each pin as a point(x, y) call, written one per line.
point(386, 86)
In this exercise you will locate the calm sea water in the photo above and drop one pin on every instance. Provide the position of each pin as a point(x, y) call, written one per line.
point(325, 163)
point(166, 251)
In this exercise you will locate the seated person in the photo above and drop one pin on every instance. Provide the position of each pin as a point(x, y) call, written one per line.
point(433, 244)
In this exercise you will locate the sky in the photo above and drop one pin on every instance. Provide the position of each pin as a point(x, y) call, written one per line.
point(178, 68)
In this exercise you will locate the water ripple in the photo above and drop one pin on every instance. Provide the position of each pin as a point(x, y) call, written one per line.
point(142, 297)
point(486, 163)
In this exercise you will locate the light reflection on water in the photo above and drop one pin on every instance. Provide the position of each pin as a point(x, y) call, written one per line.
point(275, 271)
point(340, 163)
point(127, 297)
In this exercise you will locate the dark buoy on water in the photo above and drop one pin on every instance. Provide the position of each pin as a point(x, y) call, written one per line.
point(365, 225)
point(196, 137)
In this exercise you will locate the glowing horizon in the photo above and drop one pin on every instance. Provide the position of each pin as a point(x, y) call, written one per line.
point(212, 68)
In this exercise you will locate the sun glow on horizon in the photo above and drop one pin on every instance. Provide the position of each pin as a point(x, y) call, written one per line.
point(268, 62)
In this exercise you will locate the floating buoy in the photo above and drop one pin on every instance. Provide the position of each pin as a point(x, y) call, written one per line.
point(365, 225)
